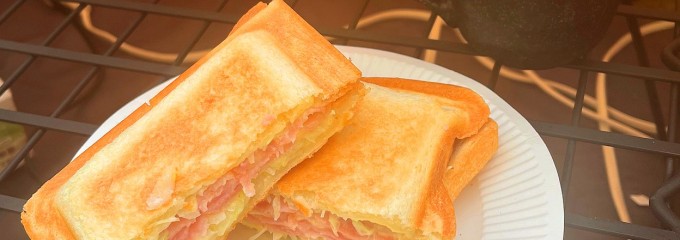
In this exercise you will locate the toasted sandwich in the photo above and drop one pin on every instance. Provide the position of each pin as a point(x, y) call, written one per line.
point(469, 157)
point(381, 176)
point(191, 162)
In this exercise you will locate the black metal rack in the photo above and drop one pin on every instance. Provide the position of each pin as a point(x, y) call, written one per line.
point(665, 144)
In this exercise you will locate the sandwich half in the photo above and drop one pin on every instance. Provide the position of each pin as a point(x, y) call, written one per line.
point(191, 162)
point(381, 176)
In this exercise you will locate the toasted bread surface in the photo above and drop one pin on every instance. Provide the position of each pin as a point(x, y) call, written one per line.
point(469, 157)
point(439, 220)
point(383, 165)
point(327, 66)
point(478, 139)
point(470, 104)
point(309, 141)
point(107, 197)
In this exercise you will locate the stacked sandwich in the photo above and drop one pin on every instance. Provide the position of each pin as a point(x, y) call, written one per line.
point(276, 129)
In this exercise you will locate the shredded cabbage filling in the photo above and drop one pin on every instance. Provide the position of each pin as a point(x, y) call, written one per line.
point(194, 223)
point(280, 216)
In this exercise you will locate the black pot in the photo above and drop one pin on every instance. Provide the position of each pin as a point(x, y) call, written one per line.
point(529, 34)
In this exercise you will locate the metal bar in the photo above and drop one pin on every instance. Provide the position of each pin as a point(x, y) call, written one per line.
point(121, 39)
point(571, 144)
point(656, 14)
point(672, 126)
point(15, 75)
point(650, 86)
point(114, 62)
point(597, 66)
point(495, 74)
point(292, 3)
point(355, 21)
point(53, 35)
point(11, 203)
point(643, 60)
point(220, 17)
point(660, 207)
point(401, 40)
point(615, 228)
point(580, 96)
point(430, 23)
point(658, 201)
point(627, 70)
point(5, 15)
point(669, 57)
point(591, 65)
point(72, 95)
point(607, 138)
point(23, 152)
point(52, 123)
point(91, 73)
point(162, 10)
point(676, 29)
point(183, 54)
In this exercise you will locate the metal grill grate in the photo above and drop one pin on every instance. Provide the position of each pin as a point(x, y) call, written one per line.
point(664, 145)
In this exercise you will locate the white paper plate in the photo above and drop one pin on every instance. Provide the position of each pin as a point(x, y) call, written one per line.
point(517, 195)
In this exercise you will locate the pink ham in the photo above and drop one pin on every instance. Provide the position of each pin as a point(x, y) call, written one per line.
point(295, 223)
point(225, 188)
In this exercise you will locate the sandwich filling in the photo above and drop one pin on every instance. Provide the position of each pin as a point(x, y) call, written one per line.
point(208, 214)
point(212, 200)
point(283, 217)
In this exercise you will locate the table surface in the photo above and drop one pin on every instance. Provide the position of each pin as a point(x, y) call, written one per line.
point(47, 81)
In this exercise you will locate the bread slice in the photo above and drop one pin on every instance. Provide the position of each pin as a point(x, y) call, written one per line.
point(471, 108)
point(382, 174)
point(239, 100)
point(479, 142)
point(469, 157)
point(278, 18)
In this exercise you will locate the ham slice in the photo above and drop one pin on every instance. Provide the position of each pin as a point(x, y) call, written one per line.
point(282, 217)
point(215, 196)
